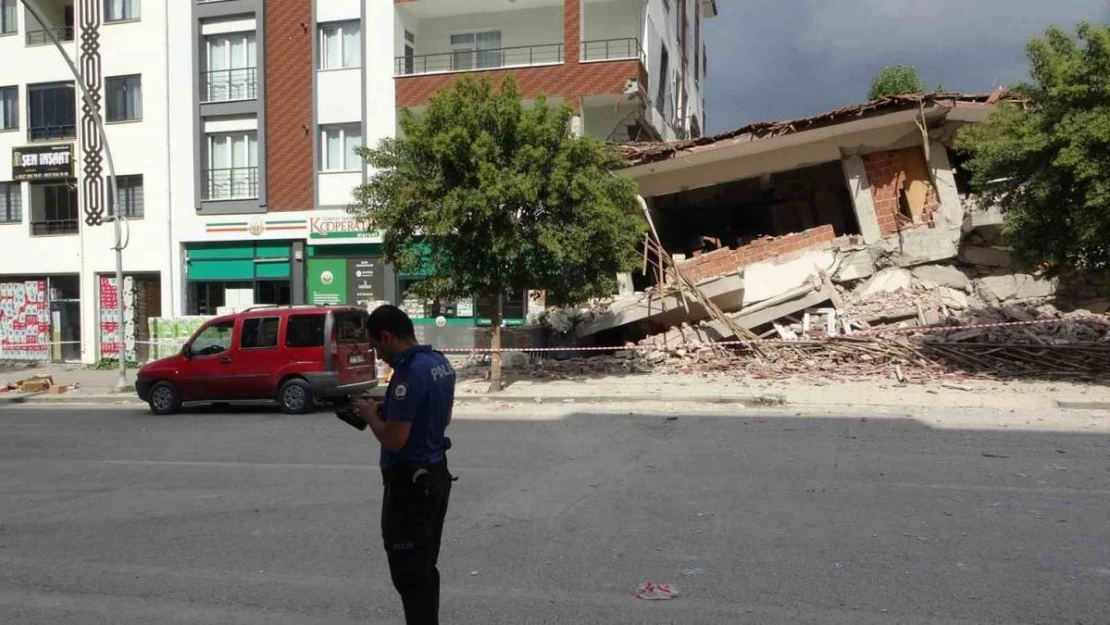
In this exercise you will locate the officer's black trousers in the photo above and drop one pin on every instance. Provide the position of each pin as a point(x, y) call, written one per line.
point(412, 526)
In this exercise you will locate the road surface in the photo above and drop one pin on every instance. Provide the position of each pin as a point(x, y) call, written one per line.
point(117, 516)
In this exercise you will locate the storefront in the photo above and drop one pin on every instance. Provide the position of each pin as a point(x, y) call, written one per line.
point(40, 319)
point(228, 276)
point(142, 301)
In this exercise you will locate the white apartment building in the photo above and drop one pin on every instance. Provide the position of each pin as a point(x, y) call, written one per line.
point(233, 122)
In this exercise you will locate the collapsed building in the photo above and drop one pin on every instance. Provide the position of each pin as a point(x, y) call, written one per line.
point(768, 219)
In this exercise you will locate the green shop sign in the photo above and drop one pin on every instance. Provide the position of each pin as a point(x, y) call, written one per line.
point(342, 228)
point(327, 281)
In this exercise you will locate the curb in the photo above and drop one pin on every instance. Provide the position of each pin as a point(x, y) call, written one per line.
point(1067, 404)
point(748, 400)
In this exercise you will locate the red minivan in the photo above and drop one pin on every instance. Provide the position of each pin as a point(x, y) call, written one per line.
point(292, 354)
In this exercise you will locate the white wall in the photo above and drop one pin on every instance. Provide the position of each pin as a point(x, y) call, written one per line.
point(339, 96)
point(532, 27)
point(613, 19)
point(602, 121)
point(336, 188)
point(337, 10)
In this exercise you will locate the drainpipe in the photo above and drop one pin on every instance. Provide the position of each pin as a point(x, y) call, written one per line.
point(169, 171)
point(116, 218)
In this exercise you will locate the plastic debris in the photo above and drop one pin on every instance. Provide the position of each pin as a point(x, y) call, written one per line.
point(652, 591)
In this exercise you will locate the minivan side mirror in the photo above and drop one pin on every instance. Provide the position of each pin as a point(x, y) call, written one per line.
point(187, 352)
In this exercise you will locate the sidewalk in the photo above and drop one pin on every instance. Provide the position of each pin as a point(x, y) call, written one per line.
point(98, 387)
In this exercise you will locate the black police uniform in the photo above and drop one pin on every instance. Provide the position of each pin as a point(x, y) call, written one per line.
point(417, 482)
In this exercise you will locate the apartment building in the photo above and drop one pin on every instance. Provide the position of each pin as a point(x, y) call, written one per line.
point(57, 265)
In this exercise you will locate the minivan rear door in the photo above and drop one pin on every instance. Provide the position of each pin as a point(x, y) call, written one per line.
point(351, 350)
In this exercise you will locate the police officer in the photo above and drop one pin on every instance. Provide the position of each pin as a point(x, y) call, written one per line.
point(410, 425)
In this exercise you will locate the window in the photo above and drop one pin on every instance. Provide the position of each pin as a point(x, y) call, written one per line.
point(212, 340)
point(232, 61)
point(125, 98)
point(9, 108)
point(54, 208)
point(410, 53)
point(352, 326)
point(53, 111)
point(476, 50)
point(260, 333)
point(305, 331)
point(340, 45)
point(7, 16)
point(337, 147)
point(664, 78)
point(11, 203)
point(232, 166)
point(121, 10)
point(130, 196)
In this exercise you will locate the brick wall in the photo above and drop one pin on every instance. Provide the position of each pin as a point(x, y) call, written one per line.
point(289, 176)
point(726, 260)
point(886, 173)
point(569, 81)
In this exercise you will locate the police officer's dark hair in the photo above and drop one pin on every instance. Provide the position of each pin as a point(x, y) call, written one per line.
point(390, 319)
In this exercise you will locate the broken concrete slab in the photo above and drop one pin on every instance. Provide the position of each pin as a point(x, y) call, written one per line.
point(922, 246)
point(854, 265)
point(987, 256)
point(1033, 287)
point(725, 291)
point(952, 298)
point(979, 217)
point(886, 281)
point(765, 314)
point(996, 289)
point(942, 275)
point(770, 279)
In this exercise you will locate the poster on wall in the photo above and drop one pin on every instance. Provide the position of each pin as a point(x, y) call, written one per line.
point(365, 282)
point(327, 281)
point(111, 326)
point(24, 321)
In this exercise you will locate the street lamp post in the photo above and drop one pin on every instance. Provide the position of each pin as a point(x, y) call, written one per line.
point(116, 218)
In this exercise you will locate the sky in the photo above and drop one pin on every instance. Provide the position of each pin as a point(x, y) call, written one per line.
point(780, 59)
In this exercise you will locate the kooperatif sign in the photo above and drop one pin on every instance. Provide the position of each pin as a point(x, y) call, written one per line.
point(342, 229)
point(42, 162)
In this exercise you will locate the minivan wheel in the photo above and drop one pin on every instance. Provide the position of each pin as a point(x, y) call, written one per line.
point(295, 397)
point(164, 398)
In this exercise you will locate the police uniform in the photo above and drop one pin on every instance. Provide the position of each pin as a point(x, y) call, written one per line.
point(417, 482)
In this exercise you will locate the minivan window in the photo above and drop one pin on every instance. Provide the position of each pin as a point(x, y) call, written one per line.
point(215, 339)
point(305, 331)
point(352, 326)
point(260, 333)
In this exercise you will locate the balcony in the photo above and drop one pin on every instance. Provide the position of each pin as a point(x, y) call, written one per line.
point(227, 85)
point(610, 50)
point(239, 183)
point(52, 133)
point(479, 60)
point(42, 37)
point(53, 227)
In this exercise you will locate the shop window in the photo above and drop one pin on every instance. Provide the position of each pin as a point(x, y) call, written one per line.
point(513, 306)
point(261, 333)
point(272, 292)
point(214, 339)
point(305, 331)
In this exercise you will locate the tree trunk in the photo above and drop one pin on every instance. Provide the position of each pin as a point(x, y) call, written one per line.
point(495, 385)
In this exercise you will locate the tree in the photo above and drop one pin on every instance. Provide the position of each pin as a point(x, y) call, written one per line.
point(1045, 160)
point(895, 80)
point(500, 198)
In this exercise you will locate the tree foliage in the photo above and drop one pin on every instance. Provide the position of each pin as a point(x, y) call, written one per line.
point(895, 80)
point(1046, 162)
point(503, 197)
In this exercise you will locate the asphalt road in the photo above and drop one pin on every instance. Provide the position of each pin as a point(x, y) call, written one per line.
point(116, 516)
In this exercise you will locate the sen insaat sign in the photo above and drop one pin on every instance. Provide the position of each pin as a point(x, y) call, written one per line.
point(45, 162)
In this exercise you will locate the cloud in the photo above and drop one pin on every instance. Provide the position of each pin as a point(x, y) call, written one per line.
point(798, 57)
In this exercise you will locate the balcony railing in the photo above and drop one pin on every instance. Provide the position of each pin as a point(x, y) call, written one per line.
point(479, 60)
point(51, 133)
point(226, 85)
point(610, 49)
point(53, 227)
point(42, 37)
point(240, 183)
